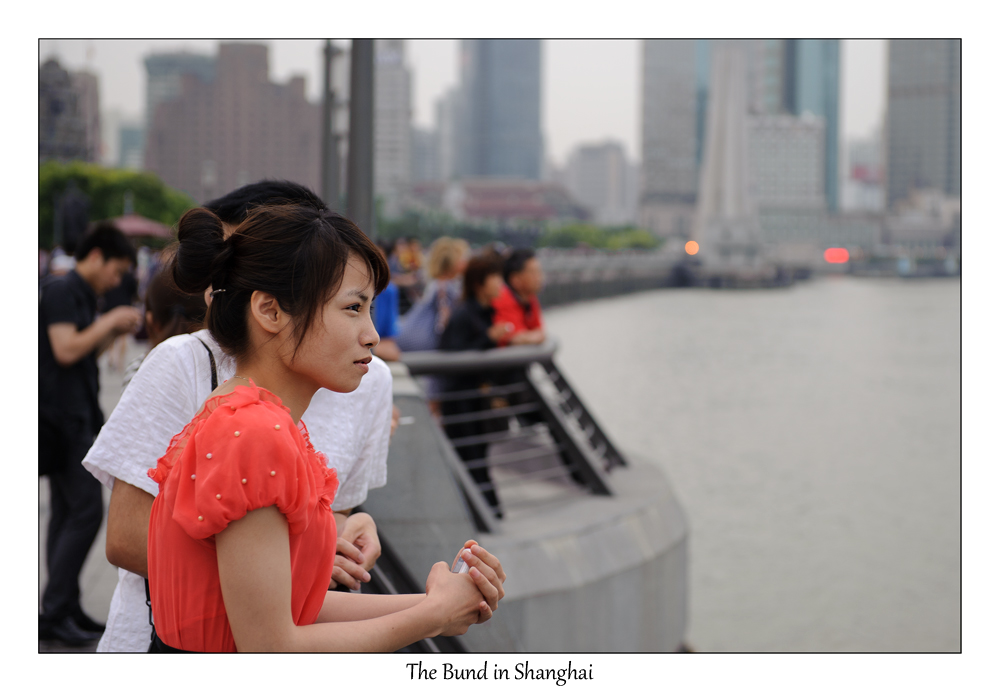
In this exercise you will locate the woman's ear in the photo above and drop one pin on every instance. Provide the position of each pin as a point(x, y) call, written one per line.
point(266, 312)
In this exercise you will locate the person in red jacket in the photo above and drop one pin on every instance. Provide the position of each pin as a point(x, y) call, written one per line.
point(517, 305)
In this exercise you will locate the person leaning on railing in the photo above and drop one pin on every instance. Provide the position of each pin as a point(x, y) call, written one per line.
point(471, 327)
point(518, 303)
point(241, 536)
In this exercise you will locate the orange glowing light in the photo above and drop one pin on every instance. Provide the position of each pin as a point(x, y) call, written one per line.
point(691, 247)
point(836, 255)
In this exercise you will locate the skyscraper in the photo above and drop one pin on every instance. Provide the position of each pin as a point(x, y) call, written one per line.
point(393, 114)
point(726, 223)
point(924, 117)
point(811, 84)
point(424, 164)
point(165, 71)
point(215, 136)
point(500, 121)
point(787, 157)
point(672, 119)
point(782, 76)
point(448, 123)
point(675, 101)
point(68, 114)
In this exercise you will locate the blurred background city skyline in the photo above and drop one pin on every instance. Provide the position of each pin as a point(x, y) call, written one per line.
point(845, 144)
point(591, 87)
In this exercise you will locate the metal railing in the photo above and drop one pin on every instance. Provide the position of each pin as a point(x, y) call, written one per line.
point(510, 422)
point(391, 576)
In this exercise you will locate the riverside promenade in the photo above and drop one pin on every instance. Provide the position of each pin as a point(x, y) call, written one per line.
point(99, 577)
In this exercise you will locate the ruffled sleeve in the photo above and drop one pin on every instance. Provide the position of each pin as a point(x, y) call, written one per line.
point(242, 454)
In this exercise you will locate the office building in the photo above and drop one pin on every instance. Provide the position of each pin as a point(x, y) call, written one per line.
point(165, 73)
point(925, 222)
point(811, 84)
point(131, 144)
point(499, 120)
point(449, 120)
point(782, 76)
point(238, 128)
point(89, 107)
point(69, 124)
point(393, 115)
point(676, 75)
point(726, 224)
point(923, 128)
point(424, 164)
point(672, 118)
point(600, 178)
point(507, 201)
point(787, 157)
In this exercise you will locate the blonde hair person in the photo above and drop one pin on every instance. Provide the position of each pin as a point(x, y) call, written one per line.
point(447, 258)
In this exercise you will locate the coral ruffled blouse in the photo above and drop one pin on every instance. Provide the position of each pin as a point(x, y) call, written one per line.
point(240, 453)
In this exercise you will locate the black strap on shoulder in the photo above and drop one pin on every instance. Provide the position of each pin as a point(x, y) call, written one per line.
point(211, 359)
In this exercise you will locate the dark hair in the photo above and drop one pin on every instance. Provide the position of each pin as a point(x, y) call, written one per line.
point(296, 253)
point(105, 236)
point(479, 268)
point(174, 311)
point(515, 261)
point(234, 207)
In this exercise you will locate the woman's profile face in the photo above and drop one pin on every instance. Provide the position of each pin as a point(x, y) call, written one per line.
point(335, 351)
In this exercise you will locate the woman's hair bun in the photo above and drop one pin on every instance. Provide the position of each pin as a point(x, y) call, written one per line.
point(202, 252)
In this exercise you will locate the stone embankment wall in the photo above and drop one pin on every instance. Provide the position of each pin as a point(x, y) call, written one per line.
point(572, 276)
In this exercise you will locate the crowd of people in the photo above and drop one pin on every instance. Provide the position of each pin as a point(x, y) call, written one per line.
point(445, 285)
point(247, 435)
point(469, 302)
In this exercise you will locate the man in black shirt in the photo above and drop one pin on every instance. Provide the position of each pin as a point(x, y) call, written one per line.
point(70, 337)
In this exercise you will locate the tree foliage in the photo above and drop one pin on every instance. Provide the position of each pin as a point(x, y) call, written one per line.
point(105, 189)
point(430, 225)
point(587, 235)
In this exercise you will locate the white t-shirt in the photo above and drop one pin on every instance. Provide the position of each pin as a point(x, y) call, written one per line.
point(175, 379)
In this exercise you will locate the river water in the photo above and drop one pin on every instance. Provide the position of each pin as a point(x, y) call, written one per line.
point(812, 435)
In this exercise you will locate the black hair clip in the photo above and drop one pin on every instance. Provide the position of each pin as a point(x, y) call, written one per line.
point(218, 290)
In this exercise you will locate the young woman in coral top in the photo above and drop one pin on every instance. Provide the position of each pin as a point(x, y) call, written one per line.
point(241, 536)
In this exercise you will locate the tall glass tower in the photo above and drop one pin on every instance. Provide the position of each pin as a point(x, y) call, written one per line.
point(812, 84)
point(924, 117)
point(502, 90)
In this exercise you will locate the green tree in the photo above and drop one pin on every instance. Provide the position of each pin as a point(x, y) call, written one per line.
point(632, 238)
point(572, 235)
point(105, 189)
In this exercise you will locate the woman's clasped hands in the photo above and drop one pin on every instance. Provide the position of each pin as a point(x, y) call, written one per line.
point(466, 599)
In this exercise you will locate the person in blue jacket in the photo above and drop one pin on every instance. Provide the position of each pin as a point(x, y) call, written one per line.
point(386, 315)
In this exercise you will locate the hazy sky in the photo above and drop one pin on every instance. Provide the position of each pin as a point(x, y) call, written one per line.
point(591, 87)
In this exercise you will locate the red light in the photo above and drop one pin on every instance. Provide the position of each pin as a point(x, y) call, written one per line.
point(836, 255)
